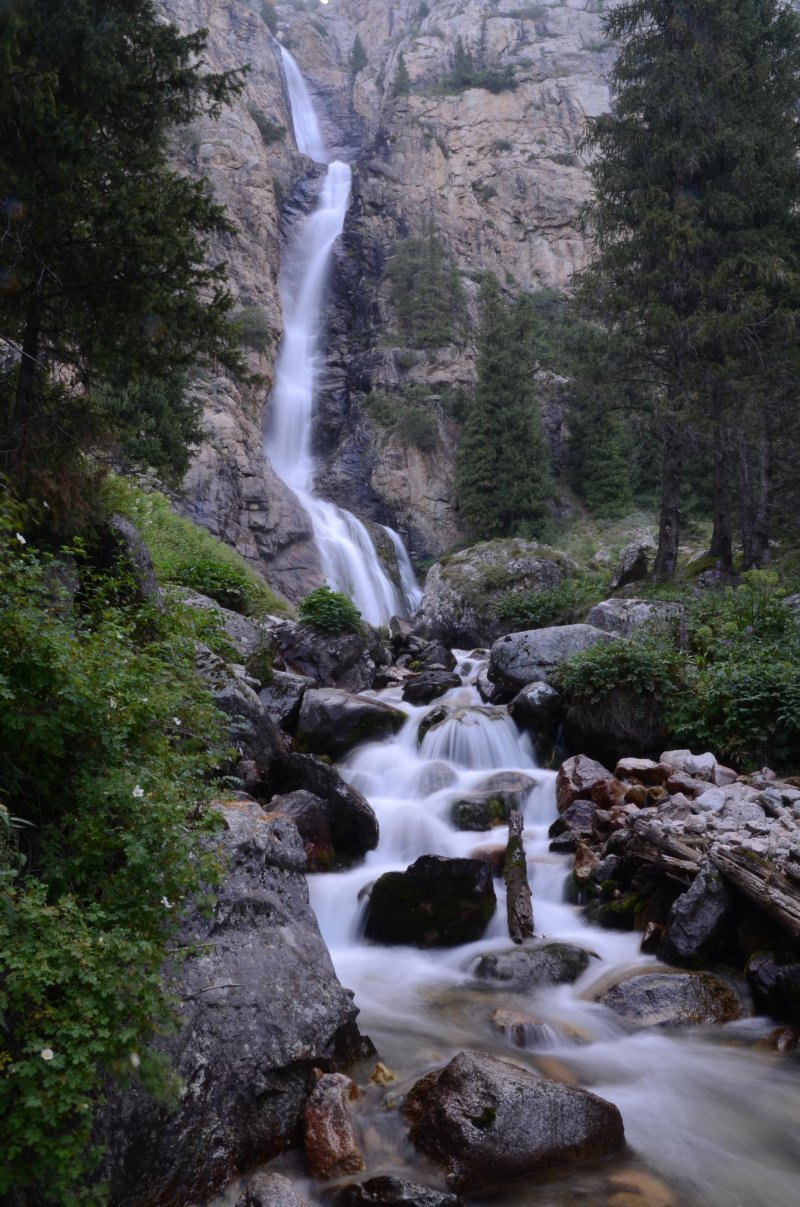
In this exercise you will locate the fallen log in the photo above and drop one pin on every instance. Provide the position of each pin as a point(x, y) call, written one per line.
point(761, 881)
point(518, 890)
point(652, 845)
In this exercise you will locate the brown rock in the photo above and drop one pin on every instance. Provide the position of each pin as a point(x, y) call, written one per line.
point(576, 778)
point(331, 1147)
point(643, 771)
point(679, 781)
point(586, 861)
point(609, 792)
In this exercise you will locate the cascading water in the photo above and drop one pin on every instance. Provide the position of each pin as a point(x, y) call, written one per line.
point(349, 558)
point(711, 1117)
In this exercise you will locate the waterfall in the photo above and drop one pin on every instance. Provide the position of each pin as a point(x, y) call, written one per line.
point(349, 558)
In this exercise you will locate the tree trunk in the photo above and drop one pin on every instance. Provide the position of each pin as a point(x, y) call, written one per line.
point(669, 525)
point(761, 550)
point(755, 489)
point(721, 547)
point(518, 890)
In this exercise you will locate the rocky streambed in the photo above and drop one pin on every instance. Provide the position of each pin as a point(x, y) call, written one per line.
point(638, 1050)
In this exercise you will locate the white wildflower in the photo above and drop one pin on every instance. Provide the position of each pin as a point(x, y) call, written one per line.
point(165, 901)
point(177, 721)
point(138, 792)
point(47, 1053)
point(136, 1059)
point(21, 538)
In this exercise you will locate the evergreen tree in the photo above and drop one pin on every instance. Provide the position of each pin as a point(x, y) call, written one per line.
point(503, 480)
point(402, 80)
point(358, 56)
point(103, 249)
point(426, 291)
point(695, 221)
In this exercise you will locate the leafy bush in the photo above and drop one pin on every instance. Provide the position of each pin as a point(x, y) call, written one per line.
point(564, 604)
point(330, 611)
point(270, 131)
point(253, 328)
point(114, 739)
point(408, 412)
point(179, 547)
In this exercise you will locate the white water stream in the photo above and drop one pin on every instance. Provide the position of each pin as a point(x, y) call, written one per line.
point(712, 1116)
point(349, 558)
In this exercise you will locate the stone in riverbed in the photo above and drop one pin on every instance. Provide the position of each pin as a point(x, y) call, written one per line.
point(535, 706)
point(429, 685)
point(436, 902)
point(492, 802)
point(488, 1122)
point(774, 978)
point(310, 814)
point(353, 824)
point(670, 998)
point(643, 771)
point(551, 964)
point(576, 778)
point(397, 1192)
point(270, 1190)
point(331, 722)
point(331, 1147)
point(698, 920)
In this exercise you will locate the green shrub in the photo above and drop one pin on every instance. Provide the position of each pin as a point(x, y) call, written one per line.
point(180, 546)
point(114, 739)
point(330, 611)
point(270, 131)
point(564, 604)
point(408, 413)
point(253, 328)
point(269, 16)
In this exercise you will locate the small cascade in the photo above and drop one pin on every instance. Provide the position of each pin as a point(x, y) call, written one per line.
point(349, 558)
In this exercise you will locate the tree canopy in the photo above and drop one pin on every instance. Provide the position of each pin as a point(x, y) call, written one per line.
point(104, 272)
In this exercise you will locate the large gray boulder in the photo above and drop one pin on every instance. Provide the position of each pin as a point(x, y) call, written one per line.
point(488, 1122)
point(634, 563)
point(270, 1190)
point(668, 997)
point(548, 964)
point(532, 656)
point(345, 660)
point(699, 920)
point(351, 819)
point(261, 1006)
point(246, 636)
point(283, 695)
point(331, 721)
point(625, 617)
point(462, 592)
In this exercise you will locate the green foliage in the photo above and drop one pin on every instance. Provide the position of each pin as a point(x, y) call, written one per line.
point(186, 554)
point(409, 414)
point(503, 479)
point(156, 422)
point(637, 667)
point(565, 604)
point(402, 80)
point(466, 73)
point(426, 292)
point(270, 131)
point(253, 328)
point(330, 611)
point(358, 56)
point(106, 260)
point(108, 740)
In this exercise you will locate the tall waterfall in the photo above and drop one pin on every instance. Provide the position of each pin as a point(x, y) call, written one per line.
point(349, 558)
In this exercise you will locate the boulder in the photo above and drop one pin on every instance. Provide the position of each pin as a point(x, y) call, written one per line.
point(576, 778)
point(331, 1147)
point(270, 1190)
point(123, 540)
point(488, 1122)
point(310, 814)
point(699, 766)
point(577, 817)
point(489, 692)
point(551, 964)
point(643, 771)
point(281, 697)
point(261, 1006)
point(429, 685)
point(252, 730)
point(492, 801)
point(245, 635)
point(395, 1191)
point(633, 564)
point(774, 979)
point(436, 902)
point(626, 617)
point(670, 998)
point(533, 656)
point(535, 706)
point(698, 921)
point(332, 722)
point(352, 821)
point(345, 660)
point(462, 592)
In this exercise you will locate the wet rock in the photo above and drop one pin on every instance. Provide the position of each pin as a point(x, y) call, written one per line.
point(395, 1191)
point(433, 655)
point(626, 617)
point(551, 964)
point(520, 1028)
point(698, 921)
point(488, 1122)
point(433, 777)
point(261, 1005)
point(643, 771)
point(774, 979)
point(480, 811)
point(532, 656)
point(576, 778)
point(513, 785)
point(331, 1147)
point(564, 844)
point(270, 1190)
point(669, 998)
point(281, 697)
point(586, 861)
point(633, 565)
point(579, 816)
point(489, 692)
point(535, 706)
point(310, 814)
point(352, 821)
point(344, 660)
point(332, 722)
point(436, 902)
point(429, 685)
point(494, 856)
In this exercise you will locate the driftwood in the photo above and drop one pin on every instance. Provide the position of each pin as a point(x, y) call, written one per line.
point(518, 891)
point(768, 888)
point(652, 845)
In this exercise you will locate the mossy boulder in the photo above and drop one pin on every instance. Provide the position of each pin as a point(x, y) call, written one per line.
point(548, 964)
point(462, 592)
point(436, 902)
point(669, 997)
point(491, 804)
point(331, 722)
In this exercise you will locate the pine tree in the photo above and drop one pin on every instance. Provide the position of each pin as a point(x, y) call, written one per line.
point(402, 80)
point(103, 251)
point(503, 480)
point(695, 220)
point(358, 56)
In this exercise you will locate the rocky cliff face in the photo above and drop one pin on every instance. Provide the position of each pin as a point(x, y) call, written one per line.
point(497, 176)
